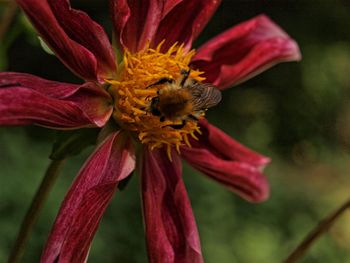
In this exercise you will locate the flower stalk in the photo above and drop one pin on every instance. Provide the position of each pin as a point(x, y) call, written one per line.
point(317, 232)
point(35, 208)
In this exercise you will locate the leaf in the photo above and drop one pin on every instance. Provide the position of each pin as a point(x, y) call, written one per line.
point(70, 143)
point(45, 47)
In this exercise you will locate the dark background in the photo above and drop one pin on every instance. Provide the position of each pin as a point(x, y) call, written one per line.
point(297, 113)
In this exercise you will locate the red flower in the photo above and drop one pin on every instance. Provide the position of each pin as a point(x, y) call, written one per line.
point(154, 44)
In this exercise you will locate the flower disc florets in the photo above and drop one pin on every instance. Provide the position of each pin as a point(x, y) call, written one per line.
point(133, 93)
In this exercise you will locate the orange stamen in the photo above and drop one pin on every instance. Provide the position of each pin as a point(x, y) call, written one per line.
point(133, 96)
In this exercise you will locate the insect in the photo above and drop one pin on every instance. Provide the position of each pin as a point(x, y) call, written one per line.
point(183, 99)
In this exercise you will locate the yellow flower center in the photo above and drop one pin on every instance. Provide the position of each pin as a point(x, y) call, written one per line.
point(135, 91)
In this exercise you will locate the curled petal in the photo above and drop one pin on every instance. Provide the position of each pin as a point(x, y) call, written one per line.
point(244, 51)
point(228, 162)
point(74, 55)
point(82, 29)
point(87, 199)
point(183, 21)
point(26, 99)
point(171, 230)
point(135, 22)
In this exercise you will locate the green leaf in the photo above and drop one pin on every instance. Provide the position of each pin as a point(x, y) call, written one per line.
point(70, 143)
point(45, 47)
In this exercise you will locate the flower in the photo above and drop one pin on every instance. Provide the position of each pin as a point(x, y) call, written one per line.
point(155, 40)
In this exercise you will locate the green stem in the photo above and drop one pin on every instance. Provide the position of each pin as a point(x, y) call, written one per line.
point(320, 229)
point(34, 210)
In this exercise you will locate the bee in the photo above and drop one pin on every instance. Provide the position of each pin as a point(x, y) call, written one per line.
point(183, 99)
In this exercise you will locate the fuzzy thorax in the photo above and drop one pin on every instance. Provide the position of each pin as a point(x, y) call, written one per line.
point(133, 95)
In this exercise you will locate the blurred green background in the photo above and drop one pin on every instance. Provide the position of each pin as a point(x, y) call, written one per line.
point(297, 113)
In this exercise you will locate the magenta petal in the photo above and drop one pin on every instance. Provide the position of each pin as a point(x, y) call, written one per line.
point(169, 5)
point(76, 57)
point(135, 21)
point(95, 102)
point(171, 230)
point(87, 199)
point(26, 99)
point(184, 22)
point(82, 29)
point(54, 89)
point(223, 159)
point(244, 51)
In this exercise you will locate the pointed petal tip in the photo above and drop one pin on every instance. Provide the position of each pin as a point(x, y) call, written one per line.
point(295, 51)
point(264, 161)
point(261, 193)
point(291, 47)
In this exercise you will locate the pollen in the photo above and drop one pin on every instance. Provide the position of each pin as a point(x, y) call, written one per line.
point(133, 94)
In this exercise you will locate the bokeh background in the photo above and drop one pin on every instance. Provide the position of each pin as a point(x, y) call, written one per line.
point(297, 113)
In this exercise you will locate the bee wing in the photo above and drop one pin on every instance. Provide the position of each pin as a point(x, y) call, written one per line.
point(204, 95)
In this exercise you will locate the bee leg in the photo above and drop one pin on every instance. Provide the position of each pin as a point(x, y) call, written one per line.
point(185, 74)
point(155, 112)
point(154, 109)
point(178, 126)
point(161, 81)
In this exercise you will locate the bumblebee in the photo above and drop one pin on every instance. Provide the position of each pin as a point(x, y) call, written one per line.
point(183, 99)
